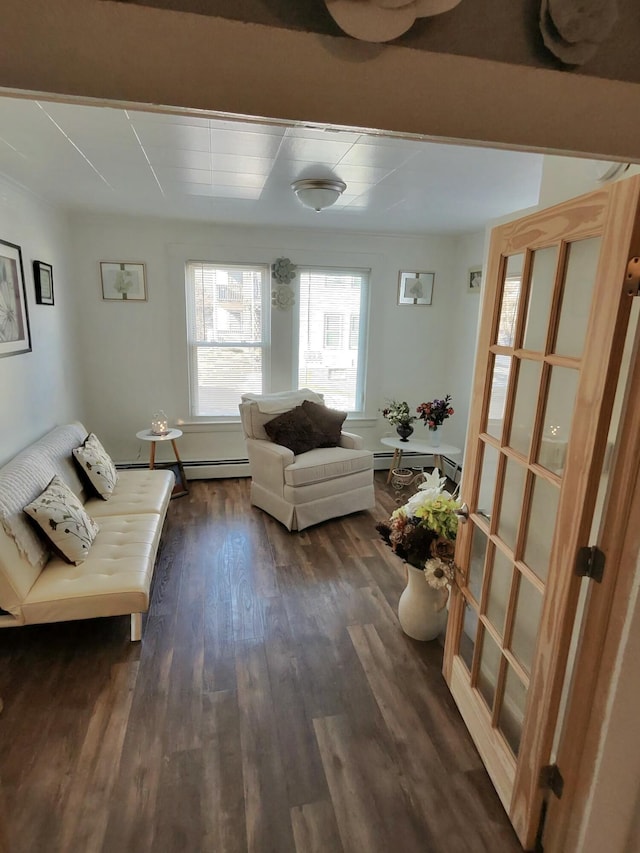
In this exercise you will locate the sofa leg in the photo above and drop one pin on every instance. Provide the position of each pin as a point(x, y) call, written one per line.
point(136, 627)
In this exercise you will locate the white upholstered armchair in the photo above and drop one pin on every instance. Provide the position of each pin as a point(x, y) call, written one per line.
point(308, 487)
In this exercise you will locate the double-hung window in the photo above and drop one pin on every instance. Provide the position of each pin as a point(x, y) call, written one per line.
point(227, 335)
point(332, 334)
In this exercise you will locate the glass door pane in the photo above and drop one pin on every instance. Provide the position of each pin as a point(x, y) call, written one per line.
point(476, 565)
point(499, 590)
point(558, 416)
point(514, 702)
point(525, 406)
point(525, 623)
point(499, 385)
point(511, 503)
point(511, 290)
point(542, 523)
point(488, 475)
point(579, 279)
point(542, 279)
point(489, 668)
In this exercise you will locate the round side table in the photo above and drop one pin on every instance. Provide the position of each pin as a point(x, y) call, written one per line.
point(171, 435)
point(415, 446)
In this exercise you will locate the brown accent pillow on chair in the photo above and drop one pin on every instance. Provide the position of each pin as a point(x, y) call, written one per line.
point(327, 421)
point(294, 429)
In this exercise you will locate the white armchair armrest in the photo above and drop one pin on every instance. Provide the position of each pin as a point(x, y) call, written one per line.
point(351, 441)
point(267, 462)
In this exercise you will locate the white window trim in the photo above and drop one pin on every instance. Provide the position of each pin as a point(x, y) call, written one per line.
point(359, 413)
point(265, 345)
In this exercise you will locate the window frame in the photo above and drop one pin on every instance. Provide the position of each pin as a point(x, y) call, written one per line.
point(365, 289)
point(193, 346)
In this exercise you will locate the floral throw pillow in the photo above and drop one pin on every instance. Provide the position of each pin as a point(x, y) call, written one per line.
point(63, 519)
point(97, 465)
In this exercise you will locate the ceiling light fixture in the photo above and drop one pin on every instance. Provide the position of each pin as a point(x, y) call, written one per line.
point(318, 193)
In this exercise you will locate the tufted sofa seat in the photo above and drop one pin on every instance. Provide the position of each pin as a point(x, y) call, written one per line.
point(115, 578)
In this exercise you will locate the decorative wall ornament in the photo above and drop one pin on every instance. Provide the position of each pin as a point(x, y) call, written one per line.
point(383, 20)
point(283, 271)
point(573, 30)
point(14, 315)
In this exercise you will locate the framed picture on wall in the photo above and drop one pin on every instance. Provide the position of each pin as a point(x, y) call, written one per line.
point(15, 337)
point(43, 280)
point(474, 281)
point(415, 288)
point(123, 281)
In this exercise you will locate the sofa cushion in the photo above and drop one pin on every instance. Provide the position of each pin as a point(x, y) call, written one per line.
point(115, 578)
point(63, 520)
point(328, 422)
point(23, 479)
point(138, 490)
point(326, 464)
point(295, 430)
point(97, 465)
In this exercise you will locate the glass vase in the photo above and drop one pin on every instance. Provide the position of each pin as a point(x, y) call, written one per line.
point(404, 431)
point(434, 436)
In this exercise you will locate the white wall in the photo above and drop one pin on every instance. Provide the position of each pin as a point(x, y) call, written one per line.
point(134, 354)
point(40, 389)
point(469, 252)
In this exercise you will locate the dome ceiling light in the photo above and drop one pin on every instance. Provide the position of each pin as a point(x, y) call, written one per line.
point(318, 193)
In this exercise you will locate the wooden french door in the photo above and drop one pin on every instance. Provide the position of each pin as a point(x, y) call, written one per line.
point(552, 332)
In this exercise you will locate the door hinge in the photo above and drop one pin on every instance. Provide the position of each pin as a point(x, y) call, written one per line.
point(590, 563)
point(632, 278)
point(551, 778)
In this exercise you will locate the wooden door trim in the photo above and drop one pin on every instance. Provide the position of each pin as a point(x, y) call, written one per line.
point(602, 628)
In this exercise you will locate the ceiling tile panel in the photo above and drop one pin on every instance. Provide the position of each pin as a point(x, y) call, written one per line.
point(239, 142)
point(313, 150)
point(173, 135)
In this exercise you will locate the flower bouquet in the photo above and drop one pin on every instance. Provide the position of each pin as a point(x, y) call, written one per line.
point(423, 531)
point(398, 414)
point(435, 413)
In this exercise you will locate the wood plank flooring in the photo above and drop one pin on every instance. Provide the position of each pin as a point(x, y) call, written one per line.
point(273, 706)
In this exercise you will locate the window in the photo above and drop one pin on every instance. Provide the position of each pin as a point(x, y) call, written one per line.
point(332, 335)
point(333, 331)
point(226, 335)
point(354, 331)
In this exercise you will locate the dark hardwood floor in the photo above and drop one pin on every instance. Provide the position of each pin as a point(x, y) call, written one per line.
point(274, 704)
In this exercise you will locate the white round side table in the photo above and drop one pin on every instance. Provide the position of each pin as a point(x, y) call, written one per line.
point(413, 445)
point(171, 435)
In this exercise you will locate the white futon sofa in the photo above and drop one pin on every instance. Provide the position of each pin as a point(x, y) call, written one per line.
point(114, 579)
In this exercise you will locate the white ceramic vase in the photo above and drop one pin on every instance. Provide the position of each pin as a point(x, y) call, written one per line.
point(422, 610)
point(434, 437)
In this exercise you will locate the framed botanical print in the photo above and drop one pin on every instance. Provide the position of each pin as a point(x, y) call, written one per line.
point(415, 288)
point(15, 337)
point(123, 281)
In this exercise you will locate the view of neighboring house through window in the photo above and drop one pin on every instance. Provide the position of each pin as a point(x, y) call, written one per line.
point(226, 335)
point(332, 335)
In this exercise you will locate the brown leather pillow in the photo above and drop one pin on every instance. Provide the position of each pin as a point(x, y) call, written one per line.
point(294, 429)
point(328, 422)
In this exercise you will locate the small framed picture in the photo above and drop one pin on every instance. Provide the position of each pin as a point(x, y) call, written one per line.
point(15, 337)
point(43, 280)
point(415, 288)
point(123, 281)
point(474, 282)
point(181, 486)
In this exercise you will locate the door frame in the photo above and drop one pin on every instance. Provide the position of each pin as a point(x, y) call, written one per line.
point(603, 636)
